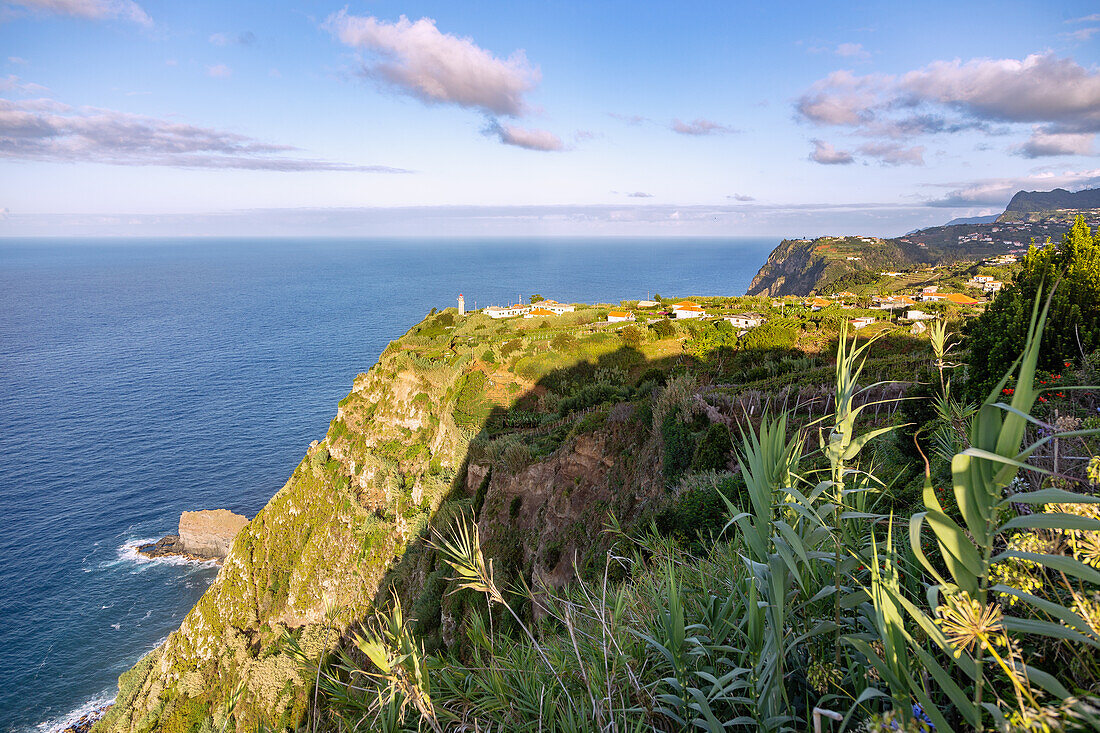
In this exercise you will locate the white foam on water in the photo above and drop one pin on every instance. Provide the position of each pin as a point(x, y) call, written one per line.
point(97, 703)
point(128, 552)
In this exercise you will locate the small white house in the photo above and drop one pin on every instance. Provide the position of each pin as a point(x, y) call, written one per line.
point(555, 306)
point(689, 311)
point(647, 304)
point(539, 313)
point(992, 286)
point(745, 320)
point(918, 316)
point(619, 316)
point(862, 322)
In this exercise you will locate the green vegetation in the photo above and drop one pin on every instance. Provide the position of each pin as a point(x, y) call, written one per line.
point(1070, 272)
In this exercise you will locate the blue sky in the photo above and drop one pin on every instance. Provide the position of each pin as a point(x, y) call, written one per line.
point(142, 117)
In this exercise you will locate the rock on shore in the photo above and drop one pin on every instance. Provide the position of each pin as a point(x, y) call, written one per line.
point(203, 535)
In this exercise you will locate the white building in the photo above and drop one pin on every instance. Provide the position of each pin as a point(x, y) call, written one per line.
point(461, 305)
point(858, 323)
point(745, 320)
point(993, 286)
point(918, 316)
point(539, 312)
point(619, 316)
point(555, 306)
point(647, 304)
point(495, 311)
point(689, 311)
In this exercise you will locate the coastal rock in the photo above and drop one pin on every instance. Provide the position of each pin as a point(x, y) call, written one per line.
point(209, 533)
point(203, 535)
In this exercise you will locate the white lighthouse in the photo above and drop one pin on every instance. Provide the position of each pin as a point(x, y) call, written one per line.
point(461, 305)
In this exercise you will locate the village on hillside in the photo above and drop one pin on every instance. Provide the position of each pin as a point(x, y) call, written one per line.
point(745, 313)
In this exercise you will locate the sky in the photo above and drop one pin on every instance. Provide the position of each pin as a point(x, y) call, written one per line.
point(149, 118)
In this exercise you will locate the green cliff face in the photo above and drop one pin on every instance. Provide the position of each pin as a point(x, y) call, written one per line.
point(802, 267)
point(452, 419)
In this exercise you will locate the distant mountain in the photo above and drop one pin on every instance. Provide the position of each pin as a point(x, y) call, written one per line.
point(1026, 202)
point(971, 220)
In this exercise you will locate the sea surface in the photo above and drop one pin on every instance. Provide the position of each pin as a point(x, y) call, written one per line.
point(141, 378)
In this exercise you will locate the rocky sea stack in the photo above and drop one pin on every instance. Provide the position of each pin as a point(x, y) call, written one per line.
point(203, 535)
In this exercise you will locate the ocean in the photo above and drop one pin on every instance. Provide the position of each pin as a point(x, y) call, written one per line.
point(141, 378)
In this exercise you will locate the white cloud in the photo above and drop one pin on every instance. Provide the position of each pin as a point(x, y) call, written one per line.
point(891, 153)
point(998, 191)
point(741, 197)
point(700, 126)
point(522, 137)
point(1042, 144)
point(639, 195)
point(826, 154)
point(1039, 88)
point(1057, 94)
point(852, 50)
point(219, 71)
point(88, 9)
point(1082, 35)
point(13, 83)
point(50, 131)
point(17, 60)
point(415, 58)
point(841, 98)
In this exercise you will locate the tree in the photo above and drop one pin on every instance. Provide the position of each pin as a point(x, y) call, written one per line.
point(996, 338)
point(536, 298)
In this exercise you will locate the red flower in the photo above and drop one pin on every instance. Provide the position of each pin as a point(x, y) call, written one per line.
point(1042, 399)
point(1068, 364)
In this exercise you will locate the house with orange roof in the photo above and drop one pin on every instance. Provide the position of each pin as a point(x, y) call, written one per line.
point(689, 311)
point(960, 299)
point(684, 304)
point(539, 313)
point(818, 303)
point(619, 316)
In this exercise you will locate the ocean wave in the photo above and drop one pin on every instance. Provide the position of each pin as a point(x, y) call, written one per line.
point(128, 552)
point(96, 704)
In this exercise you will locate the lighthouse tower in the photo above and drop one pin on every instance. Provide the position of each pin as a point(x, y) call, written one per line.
point(461, 305)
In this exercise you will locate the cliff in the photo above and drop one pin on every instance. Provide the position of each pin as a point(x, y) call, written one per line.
point(802, 267)
point(437, 428)
point(1026, 202)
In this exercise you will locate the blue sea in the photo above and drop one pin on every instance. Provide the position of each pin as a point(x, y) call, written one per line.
point(141, 378)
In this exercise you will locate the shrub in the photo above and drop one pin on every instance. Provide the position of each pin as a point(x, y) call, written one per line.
point(714, 450)
point(697, 514)
point(663, 329)
point(633, 336)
